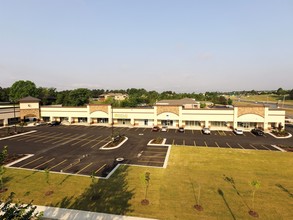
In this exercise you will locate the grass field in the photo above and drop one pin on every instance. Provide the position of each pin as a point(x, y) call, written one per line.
point(173, 191)
point(266, 98)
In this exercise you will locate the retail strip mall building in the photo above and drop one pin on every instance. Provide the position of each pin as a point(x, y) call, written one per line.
point(167, 114)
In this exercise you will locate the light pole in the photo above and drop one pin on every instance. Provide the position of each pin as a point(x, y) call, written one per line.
point(14, 117)
point(112, 124)
point(283, 101)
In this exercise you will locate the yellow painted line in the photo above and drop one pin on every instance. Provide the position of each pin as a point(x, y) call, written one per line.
point(240, 146)
point(205, 143)
point(149, 148)
point(153, 157)
point(100, 168)
point(217, 144)
point(57, 164)
point(85, 139)
point(32, 161)
point(143, 161)
point(70, 165)
point(44, 163)
point(228, 145)
point(84, 168)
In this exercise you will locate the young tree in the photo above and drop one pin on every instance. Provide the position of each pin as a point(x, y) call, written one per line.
point(255, 184)
point(3, 156)
point(147, 179)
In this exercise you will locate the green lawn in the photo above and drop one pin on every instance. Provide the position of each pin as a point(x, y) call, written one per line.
point(267, 98)
point(173, 191)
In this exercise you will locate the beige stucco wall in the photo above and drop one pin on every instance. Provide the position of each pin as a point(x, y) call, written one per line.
point(136, 115)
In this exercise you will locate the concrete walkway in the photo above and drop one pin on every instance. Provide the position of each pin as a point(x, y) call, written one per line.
point(53, 213)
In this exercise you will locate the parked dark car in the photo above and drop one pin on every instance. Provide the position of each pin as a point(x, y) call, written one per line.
point(257, 132)
point(156, 128)
point(54, 123)
point(181, 129)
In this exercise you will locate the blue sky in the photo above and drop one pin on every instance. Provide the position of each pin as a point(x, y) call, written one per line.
point(183, 46)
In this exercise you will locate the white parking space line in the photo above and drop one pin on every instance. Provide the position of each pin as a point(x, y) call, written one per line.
point(73, 139)
point(228, 145)
point(44, 136)
point(65, 137)
point(240, 146)
point(103, 140)
point(85, 139)
point(217, 144)
point(95, 139)
point(253, 146)
point(265, 147)
point(194, 143)
point(205, 143)
point(28, 136)
point(54, 137)
point(36, 167)
point(183, 142)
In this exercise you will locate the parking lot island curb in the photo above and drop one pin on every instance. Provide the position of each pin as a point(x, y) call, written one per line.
point(112, 148)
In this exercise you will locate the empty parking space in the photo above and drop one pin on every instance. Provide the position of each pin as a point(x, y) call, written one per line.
point(151, 156)
point(76, 149)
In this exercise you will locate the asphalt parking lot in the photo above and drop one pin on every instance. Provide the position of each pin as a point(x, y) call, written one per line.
point(76, 149)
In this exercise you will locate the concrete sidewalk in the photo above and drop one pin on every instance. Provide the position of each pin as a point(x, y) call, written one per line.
point(53, 213)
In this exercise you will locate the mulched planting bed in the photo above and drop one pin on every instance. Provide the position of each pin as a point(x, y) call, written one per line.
point(115, 143)
point(13, 157)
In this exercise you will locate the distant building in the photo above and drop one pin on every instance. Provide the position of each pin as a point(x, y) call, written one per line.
point(173, 113)
point(186, 103)
point(115, 96)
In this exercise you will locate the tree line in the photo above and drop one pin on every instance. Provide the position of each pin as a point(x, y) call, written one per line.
point(136, 96)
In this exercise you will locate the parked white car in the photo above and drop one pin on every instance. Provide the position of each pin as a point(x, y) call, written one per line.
point(164, 128)
point(238, 131)
point(206, 131)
